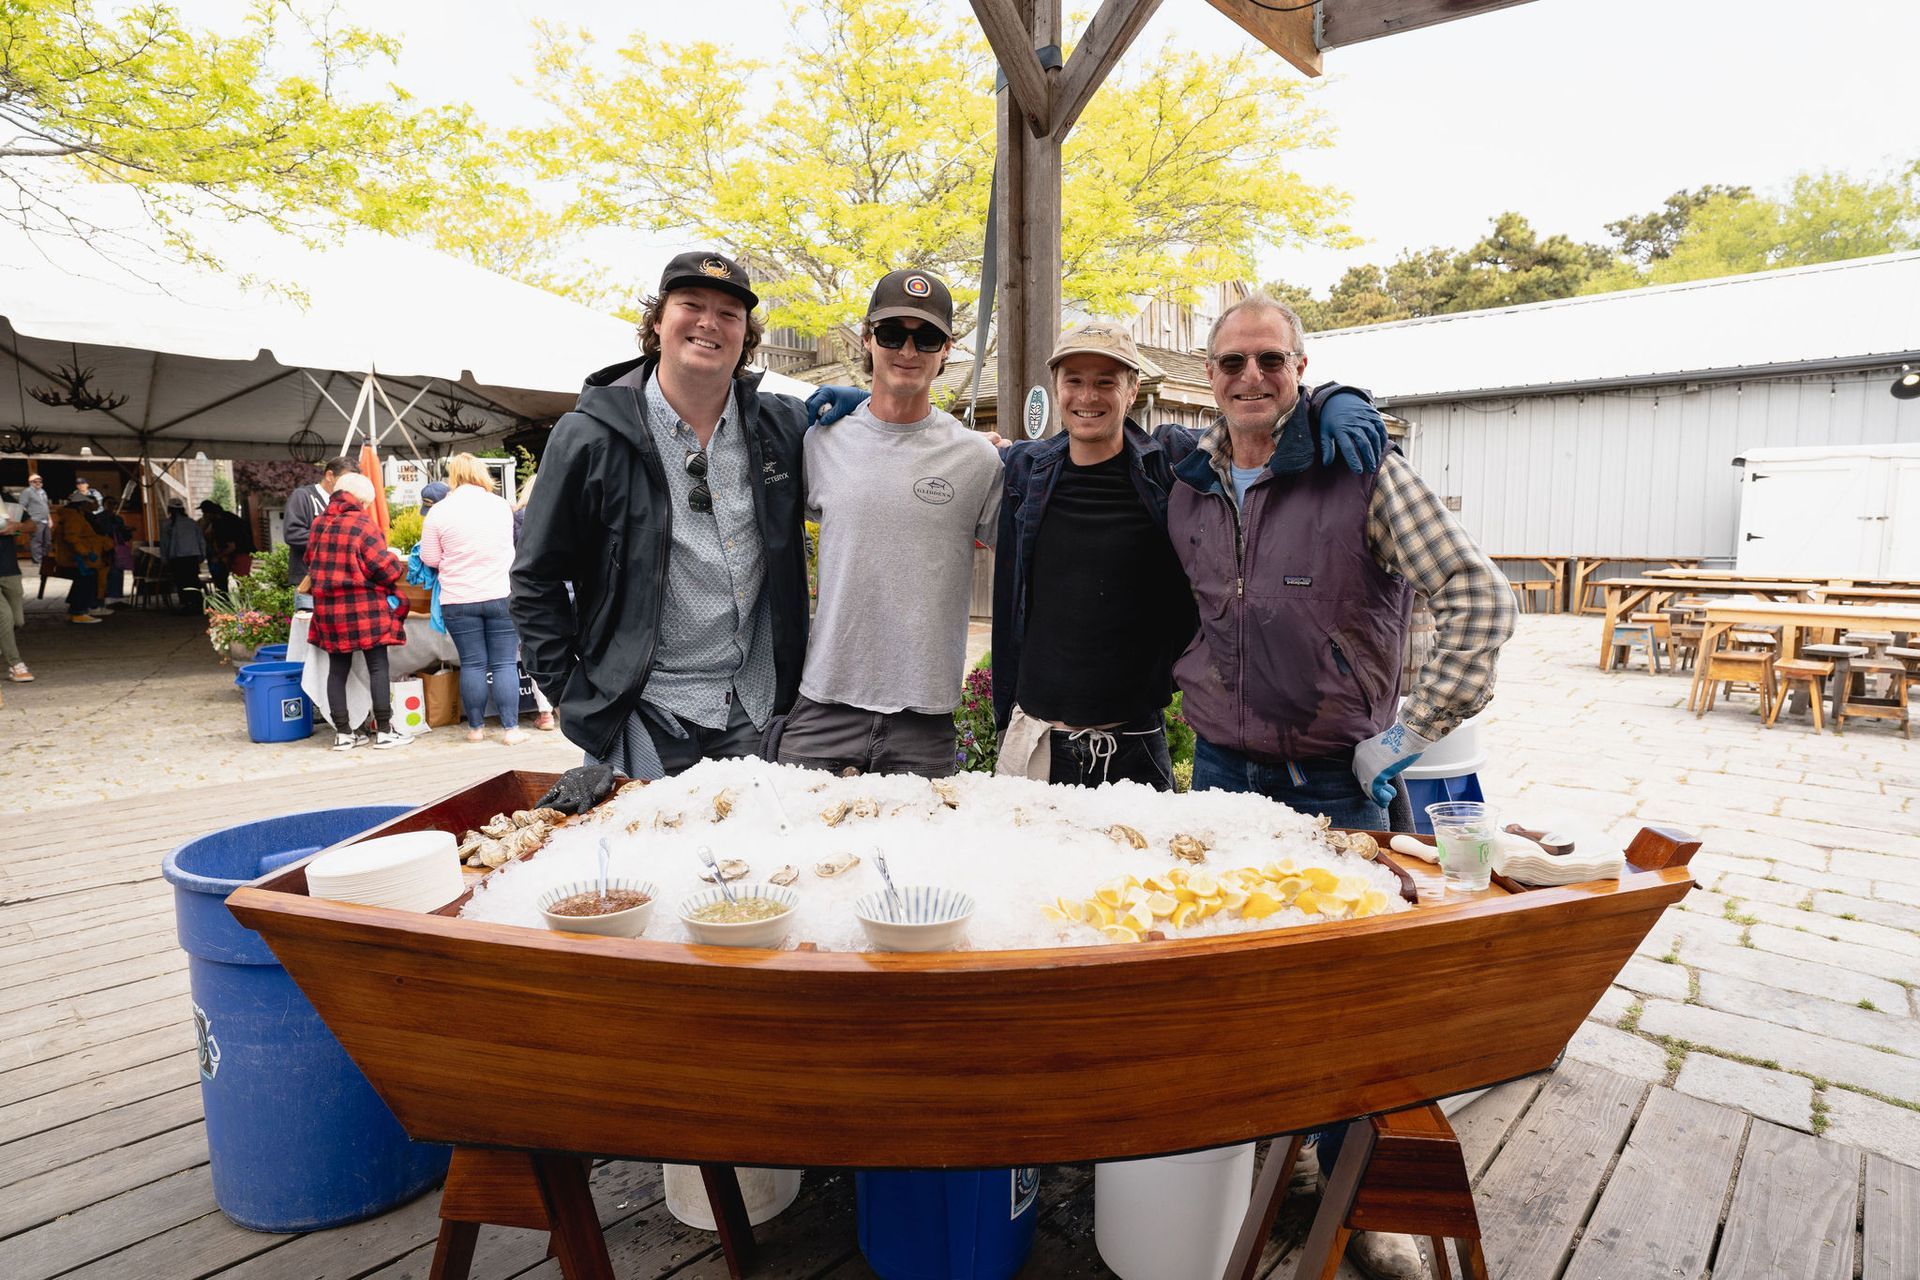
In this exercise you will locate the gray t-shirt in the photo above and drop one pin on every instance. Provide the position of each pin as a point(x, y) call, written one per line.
point(899, 508)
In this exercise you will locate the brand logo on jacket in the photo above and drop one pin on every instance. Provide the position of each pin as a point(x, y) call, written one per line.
point(1298, 582)
point(770, 472)
point(934, 490)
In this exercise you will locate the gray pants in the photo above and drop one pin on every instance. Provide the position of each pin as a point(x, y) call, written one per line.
point(13, 613)
point(827, 735)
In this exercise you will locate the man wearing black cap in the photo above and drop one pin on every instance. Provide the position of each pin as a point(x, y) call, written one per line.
point(670, 499)
point(902, 491)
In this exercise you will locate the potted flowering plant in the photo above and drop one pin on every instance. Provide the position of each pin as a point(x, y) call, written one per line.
point(255, 610)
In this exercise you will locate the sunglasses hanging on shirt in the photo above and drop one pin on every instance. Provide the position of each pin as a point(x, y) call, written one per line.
point(700, 497)
point(894, 336)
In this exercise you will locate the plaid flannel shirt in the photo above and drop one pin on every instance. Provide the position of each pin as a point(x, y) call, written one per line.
point(353, 572)
point(1412, 534)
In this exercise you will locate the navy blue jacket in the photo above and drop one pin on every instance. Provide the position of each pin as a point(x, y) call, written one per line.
point(1032, 467)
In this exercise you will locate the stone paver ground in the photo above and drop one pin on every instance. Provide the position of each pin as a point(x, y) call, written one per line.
point(1786, 985)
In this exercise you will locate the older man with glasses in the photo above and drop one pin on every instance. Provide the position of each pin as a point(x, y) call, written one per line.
point(1304, 577)
point(902, 492)
point(660, 586)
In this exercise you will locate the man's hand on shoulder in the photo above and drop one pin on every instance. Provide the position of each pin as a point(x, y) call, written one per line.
point(1353, 429)
point(830, 404)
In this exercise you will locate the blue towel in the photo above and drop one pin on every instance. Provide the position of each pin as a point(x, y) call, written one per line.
point(422, 574)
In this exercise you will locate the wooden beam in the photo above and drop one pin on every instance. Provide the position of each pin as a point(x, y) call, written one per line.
point(1345, 22)
point(1288, 34)
point(1014, 49)
point(1029, 233)
point(1101, 45)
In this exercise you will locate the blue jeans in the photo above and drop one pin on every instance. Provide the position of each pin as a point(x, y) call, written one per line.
point(484, 635)
point(1320, 785)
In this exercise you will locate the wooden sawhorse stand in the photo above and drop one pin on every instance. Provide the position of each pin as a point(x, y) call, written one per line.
point(547, 1191)
point(1400, 1172)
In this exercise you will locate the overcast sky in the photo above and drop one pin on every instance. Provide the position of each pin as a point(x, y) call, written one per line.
point(1572, 112)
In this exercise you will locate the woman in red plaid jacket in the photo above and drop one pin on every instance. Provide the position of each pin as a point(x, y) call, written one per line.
point(353, 575)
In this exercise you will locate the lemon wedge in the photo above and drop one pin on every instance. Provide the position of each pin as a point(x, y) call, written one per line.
point(1185, 914)
point(1310, 902)
point(1204, 883)
point(1259, 906)
point(1291, 886)
point(1161, 904)
point(1098, 914)
point(1321, 879)
point(1119, 933)
point(1138, 917)
point(1371, 903)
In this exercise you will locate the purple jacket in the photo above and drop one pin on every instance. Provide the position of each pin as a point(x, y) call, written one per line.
point(1298, 653)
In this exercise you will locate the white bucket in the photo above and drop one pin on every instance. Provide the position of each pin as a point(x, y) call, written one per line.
point(1172, 1217)
point(766, 1191)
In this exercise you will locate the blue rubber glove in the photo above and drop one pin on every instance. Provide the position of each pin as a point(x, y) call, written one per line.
point(1354, 429)
point(830, 404)
point(1379, 760)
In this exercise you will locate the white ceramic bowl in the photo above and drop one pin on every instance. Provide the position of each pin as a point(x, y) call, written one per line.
point(748, 933)
point(931, 918)
point(630, 923)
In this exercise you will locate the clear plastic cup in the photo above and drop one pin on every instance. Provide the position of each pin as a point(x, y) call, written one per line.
point(1464, 832)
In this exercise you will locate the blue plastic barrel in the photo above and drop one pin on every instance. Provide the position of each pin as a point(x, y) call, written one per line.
point(947, 1226)
point(1422, 792)
point(297, 1137)
point(270, 653)
point(276, 709)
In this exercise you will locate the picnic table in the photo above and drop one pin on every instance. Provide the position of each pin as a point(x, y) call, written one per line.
point(1793, 618)
point(1555, 581)
point(1627, 595)
point(1584, 567)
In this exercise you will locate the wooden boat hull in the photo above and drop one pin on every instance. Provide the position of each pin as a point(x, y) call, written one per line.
point(487, 1035)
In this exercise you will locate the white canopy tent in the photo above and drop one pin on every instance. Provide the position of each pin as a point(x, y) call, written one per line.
point(361, 334)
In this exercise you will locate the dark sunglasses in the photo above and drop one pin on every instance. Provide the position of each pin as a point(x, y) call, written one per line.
point(1269, 361)
point(894, 336)
point(700, 497)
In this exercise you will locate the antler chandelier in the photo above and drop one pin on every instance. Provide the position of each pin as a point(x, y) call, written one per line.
point(71, 389)
point(450, 423)
point(25, 440)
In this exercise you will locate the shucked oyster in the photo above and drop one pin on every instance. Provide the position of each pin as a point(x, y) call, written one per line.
point(730, 869)
point(1188, 848)
point(723, 804)
point(948, 793)
point(1123, 834)
point(1358, 843)
point(785, 875)
point(500, 824)
point(668, 821)
point(838, 864)
point(840, 810)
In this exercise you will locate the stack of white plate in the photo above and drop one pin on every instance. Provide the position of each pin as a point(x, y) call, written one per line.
point(414, 871)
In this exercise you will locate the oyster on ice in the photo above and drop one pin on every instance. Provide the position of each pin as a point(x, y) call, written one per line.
point(1188, 848)
point(948, 793)
point(1121, 833)
point(723, 804)
point(730, 869)
point(838, 864)
point(785, 875)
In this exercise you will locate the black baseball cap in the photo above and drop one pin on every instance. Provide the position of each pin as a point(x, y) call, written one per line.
point(912, 292)
point(705, 269)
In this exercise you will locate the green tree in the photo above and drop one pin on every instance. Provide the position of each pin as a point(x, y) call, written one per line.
point(1824, 217)
point(262, 123)
point(1648, 237)
point(875, 148)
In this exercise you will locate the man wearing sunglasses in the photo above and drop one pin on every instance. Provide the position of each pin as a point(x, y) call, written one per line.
point(1304, 578)
point(660, 587)
point(902, 491)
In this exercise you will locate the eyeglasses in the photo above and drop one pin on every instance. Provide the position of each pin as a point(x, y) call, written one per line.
point(700, 497)
point(1232, 362)
point(894, 336)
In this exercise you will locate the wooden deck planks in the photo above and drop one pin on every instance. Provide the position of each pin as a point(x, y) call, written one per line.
point(1890, 1243)
point(1792, 1216)
point(132, 1219)
point(1541, 1187)
point(1661, 1208)
point(1483, 1127)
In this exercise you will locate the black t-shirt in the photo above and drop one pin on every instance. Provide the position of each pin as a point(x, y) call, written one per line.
point(1105, 592)
point(9, 551)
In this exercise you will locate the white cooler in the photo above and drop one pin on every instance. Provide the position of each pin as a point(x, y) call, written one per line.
point(1172, 1217)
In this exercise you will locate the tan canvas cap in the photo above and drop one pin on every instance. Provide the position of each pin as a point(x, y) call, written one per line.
point(1097, 338)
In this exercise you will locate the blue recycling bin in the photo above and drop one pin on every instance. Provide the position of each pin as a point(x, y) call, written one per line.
point(298, 1139)
point(947, 1226)
point(1448, 770)
point(276, 709)
point(270, 653)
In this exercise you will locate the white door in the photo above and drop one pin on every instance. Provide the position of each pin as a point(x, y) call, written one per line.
point(1901, 542)
point(1810, 518)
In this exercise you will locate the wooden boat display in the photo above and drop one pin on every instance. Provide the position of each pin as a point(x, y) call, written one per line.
point(720, 1056)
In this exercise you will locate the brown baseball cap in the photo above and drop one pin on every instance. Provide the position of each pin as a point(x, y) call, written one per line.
point(913, 292)
point(1096, 338)
point(705, 269)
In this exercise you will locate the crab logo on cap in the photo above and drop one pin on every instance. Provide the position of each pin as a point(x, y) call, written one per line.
point(918, 286)
point(715, 267)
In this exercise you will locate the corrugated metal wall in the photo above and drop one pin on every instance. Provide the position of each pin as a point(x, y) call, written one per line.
point(1636, 474)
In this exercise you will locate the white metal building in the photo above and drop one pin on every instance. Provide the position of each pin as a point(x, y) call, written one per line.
point(1612, 424)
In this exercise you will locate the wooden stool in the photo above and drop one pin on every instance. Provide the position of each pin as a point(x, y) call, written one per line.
point(1401, 1172)
point(1662, 626)
point(1628, 634)
point(1684, 648)
point(1789, 671)
point(1748, 668)
point(1892, 707)
point(1524, 588)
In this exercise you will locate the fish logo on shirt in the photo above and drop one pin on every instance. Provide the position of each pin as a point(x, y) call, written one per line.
point(933, 490)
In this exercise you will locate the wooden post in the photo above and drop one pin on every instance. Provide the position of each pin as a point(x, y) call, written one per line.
point(1029, 233)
